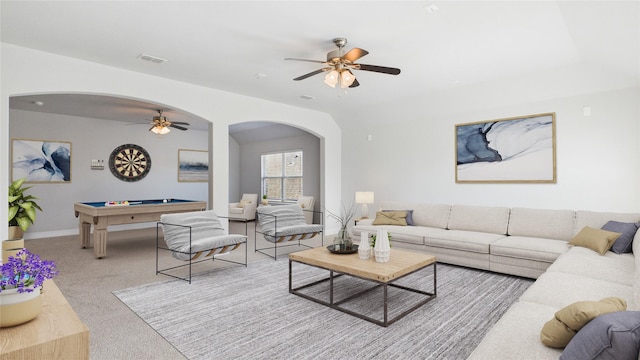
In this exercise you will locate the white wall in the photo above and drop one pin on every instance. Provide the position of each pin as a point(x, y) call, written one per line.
point(96, 139)
point(26, 71)
point(413, 159)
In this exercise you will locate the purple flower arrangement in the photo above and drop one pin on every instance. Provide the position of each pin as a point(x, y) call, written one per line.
point(25, 271)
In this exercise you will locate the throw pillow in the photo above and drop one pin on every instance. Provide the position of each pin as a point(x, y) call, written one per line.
point(557, 332)
point(624, 242)
point(611, 336)
point(390, 218)
point(243, 203)
point(597, 240)
point(409, 217)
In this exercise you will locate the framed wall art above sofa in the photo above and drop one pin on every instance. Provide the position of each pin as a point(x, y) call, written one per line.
point(512, 150)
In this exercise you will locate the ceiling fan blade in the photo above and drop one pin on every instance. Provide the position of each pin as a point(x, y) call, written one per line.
point(302, 77)
point(355, 84)
point(307, 60)
point(180, 123)
point(355, 54)
point(151, 128)
point(380, 69)
point(173, 125)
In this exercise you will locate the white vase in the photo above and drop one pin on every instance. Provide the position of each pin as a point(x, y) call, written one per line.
point(364, 249)
point(382, 250)
point(18, 308)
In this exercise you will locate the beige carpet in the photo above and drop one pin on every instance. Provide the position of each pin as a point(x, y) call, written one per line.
point(87, 283)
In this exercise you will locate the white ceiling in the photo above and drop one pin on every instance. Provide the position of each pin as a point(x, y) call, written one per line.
point(226, 44)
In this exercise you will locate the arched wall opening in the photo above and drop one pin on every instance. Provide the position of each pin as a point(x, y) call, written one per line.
point(27, 71)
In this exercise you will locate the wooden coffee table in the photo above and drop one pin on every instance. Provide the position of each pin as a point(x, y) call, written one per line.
point(401, 264)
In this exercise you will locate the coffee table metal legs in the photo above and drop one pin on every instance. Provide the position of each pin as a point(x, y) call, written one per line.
point(385, 298)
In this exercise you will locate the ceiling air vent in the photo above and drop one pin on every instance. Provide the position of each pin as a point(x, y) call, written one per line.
point(153, 59)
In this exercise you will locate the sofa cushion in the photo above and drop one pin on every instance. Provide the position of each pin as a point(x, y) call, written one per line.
point(407, 234)
point(597, 240)
point(431, 215)
point(479, 218)
point(567, 321)
point(628, 231)
point(598, 219)
point(517, 335)
point(611, 267)
point(473, 241)
point(611, 336)
point(409, 218)
point(530, 248)
point(549, 224)
point(390, 218)
point(561, 289)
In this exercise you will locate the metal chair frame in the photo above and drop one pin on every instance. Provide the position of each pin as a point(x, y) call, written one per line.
point(195, 255)
point(285, 238)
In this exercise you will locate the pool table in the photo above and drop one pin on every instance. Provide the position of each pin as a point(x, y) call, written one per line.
point(137, 211)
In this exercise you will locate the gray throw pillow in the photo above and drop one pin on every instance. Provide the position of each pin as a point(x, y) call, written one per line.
point(409, 217)
point(624, 242)
point(614, 336)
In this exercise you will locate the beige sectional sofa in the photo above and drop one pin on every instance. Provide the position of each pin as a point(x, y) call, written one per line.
point(526, 242)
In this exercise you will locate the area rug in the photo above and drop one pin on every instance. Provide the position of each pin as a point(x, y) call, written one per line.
point(248, 313)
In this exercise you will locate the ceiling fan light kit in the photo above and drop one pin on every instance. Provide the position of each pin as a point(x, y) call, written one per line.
point(160, 124)
point(160, 130)
point(338, 66)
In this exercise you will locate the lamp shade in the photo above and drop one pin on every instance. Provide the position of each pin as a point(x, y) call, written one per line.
point(346, 78)
point(160, 130)
point(331, 78)
point(364, 197)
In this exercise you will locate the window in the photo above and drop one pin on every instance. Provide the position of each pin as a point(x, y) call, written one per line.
point(282, 175)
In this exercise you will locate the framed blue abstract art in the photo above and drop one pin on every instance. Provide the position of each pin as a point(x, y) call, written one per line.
point(41, 161)
point(513, 150)
point(193, 165)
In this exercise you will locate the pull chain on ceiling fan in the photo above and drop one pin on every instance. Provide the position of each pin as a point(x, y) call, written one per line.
point(339, 66)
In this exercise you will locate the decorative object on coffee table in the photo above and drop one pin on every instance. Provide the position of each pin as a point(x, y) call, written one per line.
point(343, 239)
point(382, 250)
point(364, 251)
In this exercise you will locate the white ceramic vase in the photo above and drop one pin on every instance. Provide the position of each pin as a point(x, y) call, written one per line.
point(382, 250)
point(364, 249)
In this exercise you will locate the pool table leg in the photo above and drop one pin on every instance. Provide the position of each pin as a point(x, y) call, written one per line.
point(100, 238)
point(85, 234)
point(100, 243)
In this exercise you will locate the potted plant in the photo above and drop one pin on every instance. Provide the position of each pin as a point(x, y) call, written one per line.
point(265, 200)
point(22, 207)
point(343, 239)
point(21, 279)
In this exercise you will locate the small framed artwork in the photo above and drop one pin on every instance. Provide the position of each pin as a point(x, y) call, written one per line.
point(513, 150)
point(41, 161)
point(193, 165)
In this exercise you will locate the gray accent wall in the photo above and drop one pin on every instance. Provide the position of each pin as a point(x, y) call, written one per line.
point(248, 178)
point(96, 139)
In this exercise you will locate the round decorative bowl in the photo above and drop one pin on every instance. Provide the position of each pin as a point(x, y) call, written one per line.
point(353, 250)
point(17, 308)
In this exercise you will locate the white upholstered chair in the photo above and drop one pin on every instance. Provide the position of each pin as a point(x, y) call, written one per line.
point(306, 203)
point(245, 209)
point(284, 224)
point(192, 236)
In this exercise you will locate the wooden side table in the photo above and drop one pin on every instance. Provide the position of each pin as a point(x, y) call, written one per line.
point(56, 333)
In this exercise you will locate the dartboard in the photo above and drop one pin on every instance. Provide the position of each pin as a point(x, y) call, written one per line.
point(129, 162)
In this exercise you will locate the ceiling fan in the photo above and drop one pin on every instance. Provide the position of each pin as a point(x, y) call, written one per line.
point(161, 125)
point(339, 66)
